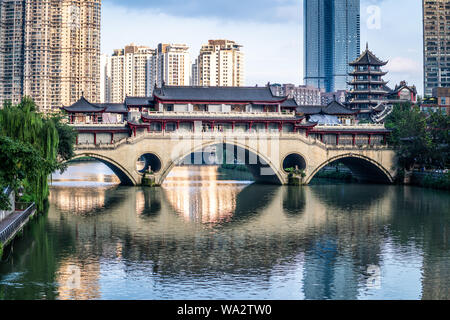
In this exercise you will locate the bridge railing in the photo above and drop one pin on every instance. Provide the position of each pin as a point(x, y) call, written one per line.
point(223, 135)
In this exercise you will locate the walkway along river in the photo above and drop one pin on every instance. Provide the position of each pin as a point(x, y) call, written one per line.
point(204, 235)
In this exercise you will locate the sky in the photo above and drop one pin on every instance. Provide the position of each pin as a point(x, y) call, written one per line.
point(270, 31)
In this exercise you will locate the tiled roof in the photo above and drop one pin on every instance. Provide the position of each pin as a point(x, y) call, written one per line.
point(219, 94)
point(336, 108)
point(83, 105)
point(138, 101)
point(290, 103)
point(115, 107)
point(333, 108)
point(368, 58)
point(307, 110)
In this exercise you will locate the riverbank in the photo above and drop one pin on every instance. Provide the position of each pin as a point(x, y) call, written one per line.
point(431, 180)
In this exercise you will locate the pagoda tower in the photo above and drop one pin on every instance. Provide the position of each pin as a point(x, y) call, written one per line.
point(369, 88)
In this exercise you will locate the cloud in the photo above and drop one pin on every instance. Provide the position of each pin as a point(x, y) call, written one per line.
point(250, 10)
point(404, 65)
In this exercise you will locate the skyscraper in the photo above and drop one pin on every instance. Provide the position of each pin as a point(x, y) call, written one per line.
point(220, 63)
point(132, 71)
point(172, 65)
point(331, 41)
point(49, 51)
point(436, 44)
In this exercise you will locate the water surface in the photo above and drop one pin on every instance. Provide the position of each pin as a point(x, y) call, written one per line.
point(208, 235)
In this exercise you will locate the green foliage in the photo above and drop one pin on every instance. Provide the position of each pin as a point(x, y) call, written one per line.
point(34, 147)
point(67, 139)
point(436, 182)
point(419, 139)
point(297, 172)
point(19, 162)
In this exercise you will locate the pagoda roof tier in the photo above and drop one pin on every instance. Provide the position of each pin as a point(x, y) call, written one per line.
point(368, 91)
point(84, 106)
point(353, 82)
point(366, 101)
point(216, 95)
point(368, 58)
point(367, 73)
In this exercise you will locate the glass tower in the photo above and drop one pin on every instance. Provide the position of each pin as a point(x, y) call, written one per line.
point(332, 40)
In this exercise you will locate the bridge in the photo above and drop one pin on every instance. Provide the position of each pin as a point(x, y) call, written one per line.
point(267, 155)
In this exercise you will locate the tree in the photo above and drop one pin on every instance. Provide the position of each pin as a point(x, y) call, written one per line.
point(419, 139)
point(46, 135)
point(19, 161)
point(439, 126)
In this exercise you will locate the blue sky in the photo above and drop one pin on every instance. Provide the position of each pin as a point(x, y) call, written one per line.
point(270, 31)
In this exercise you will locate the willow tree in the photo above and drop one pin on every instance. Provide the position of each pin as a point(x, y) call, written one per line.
point(22, 123)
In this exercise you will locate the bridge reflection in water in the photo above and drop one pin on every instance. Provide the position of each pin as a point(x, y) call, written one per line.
point(225, 239)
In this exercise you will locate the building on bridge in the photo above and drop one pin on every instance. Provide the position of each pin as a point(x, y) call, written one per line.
point(235, 110)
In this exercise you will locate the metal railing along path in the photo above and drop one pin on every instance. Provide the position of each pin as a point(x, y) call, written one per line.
point(20, 217)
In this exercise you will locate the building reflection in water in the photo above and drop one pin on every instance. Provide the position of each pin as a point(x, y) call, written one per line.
point(79, 281)
point(315, 242)
point(197, 193)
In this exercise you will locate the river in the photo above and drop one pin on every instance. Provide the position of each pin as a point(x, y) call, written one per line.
point(207, 234)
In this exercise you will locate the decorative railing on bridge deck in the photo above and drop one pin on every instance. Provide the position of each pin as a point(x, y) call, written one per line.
point(214, 135)
point(209, 114)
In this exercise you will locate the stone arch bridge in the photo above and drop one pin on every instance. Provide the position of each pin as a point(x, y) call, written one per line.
point(267, 155)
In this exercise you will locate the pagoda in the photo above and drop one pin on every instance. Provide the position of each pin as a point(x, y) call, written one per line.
point(369, 89)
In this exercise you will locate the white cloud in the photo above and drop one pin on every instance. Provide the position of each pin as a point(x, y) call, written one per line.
point(404, 65)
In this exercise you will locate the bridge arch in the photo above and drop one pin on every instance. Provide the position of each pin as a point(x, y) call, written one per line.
point(125, 177)
point(364, 168)
point(276, 176)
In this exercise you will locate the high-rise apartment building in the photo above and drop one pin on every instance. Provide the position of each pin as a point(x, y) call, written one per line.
point(49, 51)
point(172, 65)
point(105, 78)
point(331, 40)
point(220, 63)
point(436, 44)
point(132, 72)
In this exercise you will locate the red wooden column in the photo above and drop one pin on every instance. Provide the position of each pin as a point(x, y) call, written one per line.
point(233, 124)
point(163, 126)
point(337, 139)
point(178, 125)
point(212, 123)
point(77, 139)
point(250, 126)
point(134, 131)
point(267, 126)
point(354, 139)
point(149, 124)
point(95, 138)
point(112, 137)
point(370, 139)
